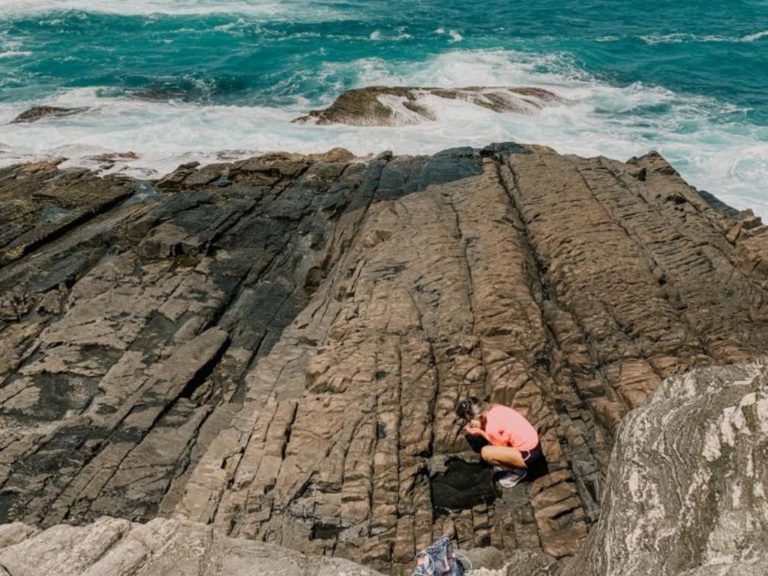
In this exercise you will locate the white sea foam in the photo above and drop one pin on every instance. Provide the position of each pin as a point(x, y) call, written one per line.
point(453, 35)
point(377, 36)
point(755, 37)
point(727, 158)
point(679, 38)
point(14, 53)
point(306, 9)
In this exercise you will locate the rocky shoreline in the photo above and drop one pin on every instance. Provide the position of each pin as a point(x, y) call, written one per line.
point(274, 347)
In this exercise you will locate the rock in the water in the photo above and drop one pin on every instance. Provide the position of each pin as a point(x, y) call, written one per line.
point(686, 489)
point(39, 112)
point(114, 157)
point(396, 106)
point(112, 547)
point(276, 346)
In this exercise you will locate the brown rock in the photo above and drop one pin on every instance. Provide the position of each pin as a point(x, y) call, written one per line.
point(392, 106)
point(39, 112)
point(275, 347)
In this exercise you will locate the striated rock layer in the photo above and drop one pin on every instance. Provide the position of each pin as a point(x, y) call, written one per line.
point(686, 492)
point(275, 347)
point(112, 547)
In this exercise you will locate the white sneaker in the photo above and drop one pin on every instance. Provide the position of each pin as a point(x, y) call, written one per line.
point(510, 478)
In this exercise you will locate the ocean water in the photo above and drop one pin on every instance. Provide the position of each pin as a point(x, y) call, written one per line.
point(181, 80)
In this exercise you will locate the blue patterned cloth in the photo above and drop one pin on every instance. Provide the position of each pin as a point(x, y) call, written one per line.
point(437, 559)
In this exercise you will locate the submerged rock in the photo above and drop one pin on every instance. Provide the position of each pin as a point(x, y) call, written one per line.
point(39, 112)
point(394, 106)
point(686, 489)
point(115, 157)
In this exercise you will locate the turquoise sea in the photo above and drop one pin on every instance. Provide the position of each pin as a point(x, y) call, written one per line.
point(180, 80)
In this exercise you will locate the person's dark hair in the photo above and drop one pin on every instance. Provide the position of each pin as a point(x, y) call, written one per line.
point(470, 408)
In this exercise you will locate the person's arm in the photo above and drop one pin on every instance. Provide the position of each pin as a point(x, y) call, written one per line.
point(474, 429)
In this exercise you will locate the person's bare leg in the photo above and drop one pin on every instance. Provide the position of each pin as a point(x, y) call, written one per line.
point(503, 456)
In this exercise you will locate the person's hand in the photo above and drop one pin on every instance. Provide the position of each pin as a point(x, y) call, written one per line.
point(473, 428)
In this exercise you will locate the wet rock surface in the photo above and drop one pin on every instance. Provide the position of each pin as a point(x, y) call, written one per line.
point(397, 106)
point(275, 347)
point(39, 112)
point(686, 491)
point(461, 485)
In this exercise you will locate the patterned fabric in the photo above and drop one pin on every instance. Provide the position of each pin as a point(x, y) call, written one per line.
point(437, 559)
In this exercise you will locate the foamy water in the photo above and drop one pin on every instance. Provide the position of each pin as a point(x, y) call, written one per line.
point(262, 8)
point(595, 119)
point(228, 77)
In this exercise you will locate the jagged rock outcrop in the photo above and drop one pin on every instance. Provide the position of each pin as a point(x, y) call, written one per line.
point(113, 547)
point(275, 347)
point(39, 112)
point(686, 491)
point(397, 106)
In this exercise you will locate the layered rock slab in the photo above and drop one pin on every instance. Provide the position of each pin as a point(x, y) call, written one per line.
point(686, 490)
point(276, 346)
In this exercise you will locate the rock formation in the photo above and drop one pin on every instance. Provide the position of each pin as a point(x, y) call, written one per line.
point(686, 495)
point(395, 106)
point(112, 547)
point(39, 112)
point(275, 347)
point(686, 491)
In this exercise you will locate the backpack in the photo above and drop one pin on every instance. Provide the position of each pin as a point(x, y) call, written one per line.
point(437, 559)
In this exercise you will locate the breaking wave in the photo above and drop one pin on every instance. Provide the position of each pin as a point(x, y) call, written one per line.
point(702, 137)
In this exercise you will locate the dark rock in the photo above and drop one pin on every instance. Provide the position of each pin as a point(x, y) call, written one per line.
point(462, 485)
point(115, 157)
point(39, 112)
point(718, 204)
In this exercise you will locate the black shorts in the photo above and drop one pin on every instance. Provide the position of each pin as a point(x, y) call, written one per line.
point(536, 463)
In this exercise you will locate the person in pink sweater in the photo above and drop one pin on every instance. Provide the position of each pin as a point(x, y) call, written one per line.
point(512, 443)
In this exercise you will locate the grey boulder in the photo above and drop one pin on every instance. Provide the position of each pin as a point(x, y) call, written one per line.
point(686, 489)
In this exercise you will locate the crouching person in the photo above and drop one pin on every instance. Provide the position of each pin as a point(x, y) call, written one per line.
point(513, 445)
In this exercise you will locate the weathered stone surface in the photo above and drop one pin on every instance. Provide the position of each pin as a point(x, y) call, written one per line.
point(516, 563)
point(686, 488)
point(39, 112)
point(119, 548)
point(276, 346)
point(395, 106)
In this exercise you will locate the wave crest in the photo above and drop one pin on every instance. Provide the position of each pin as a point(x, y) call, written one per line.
point(271, 9)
